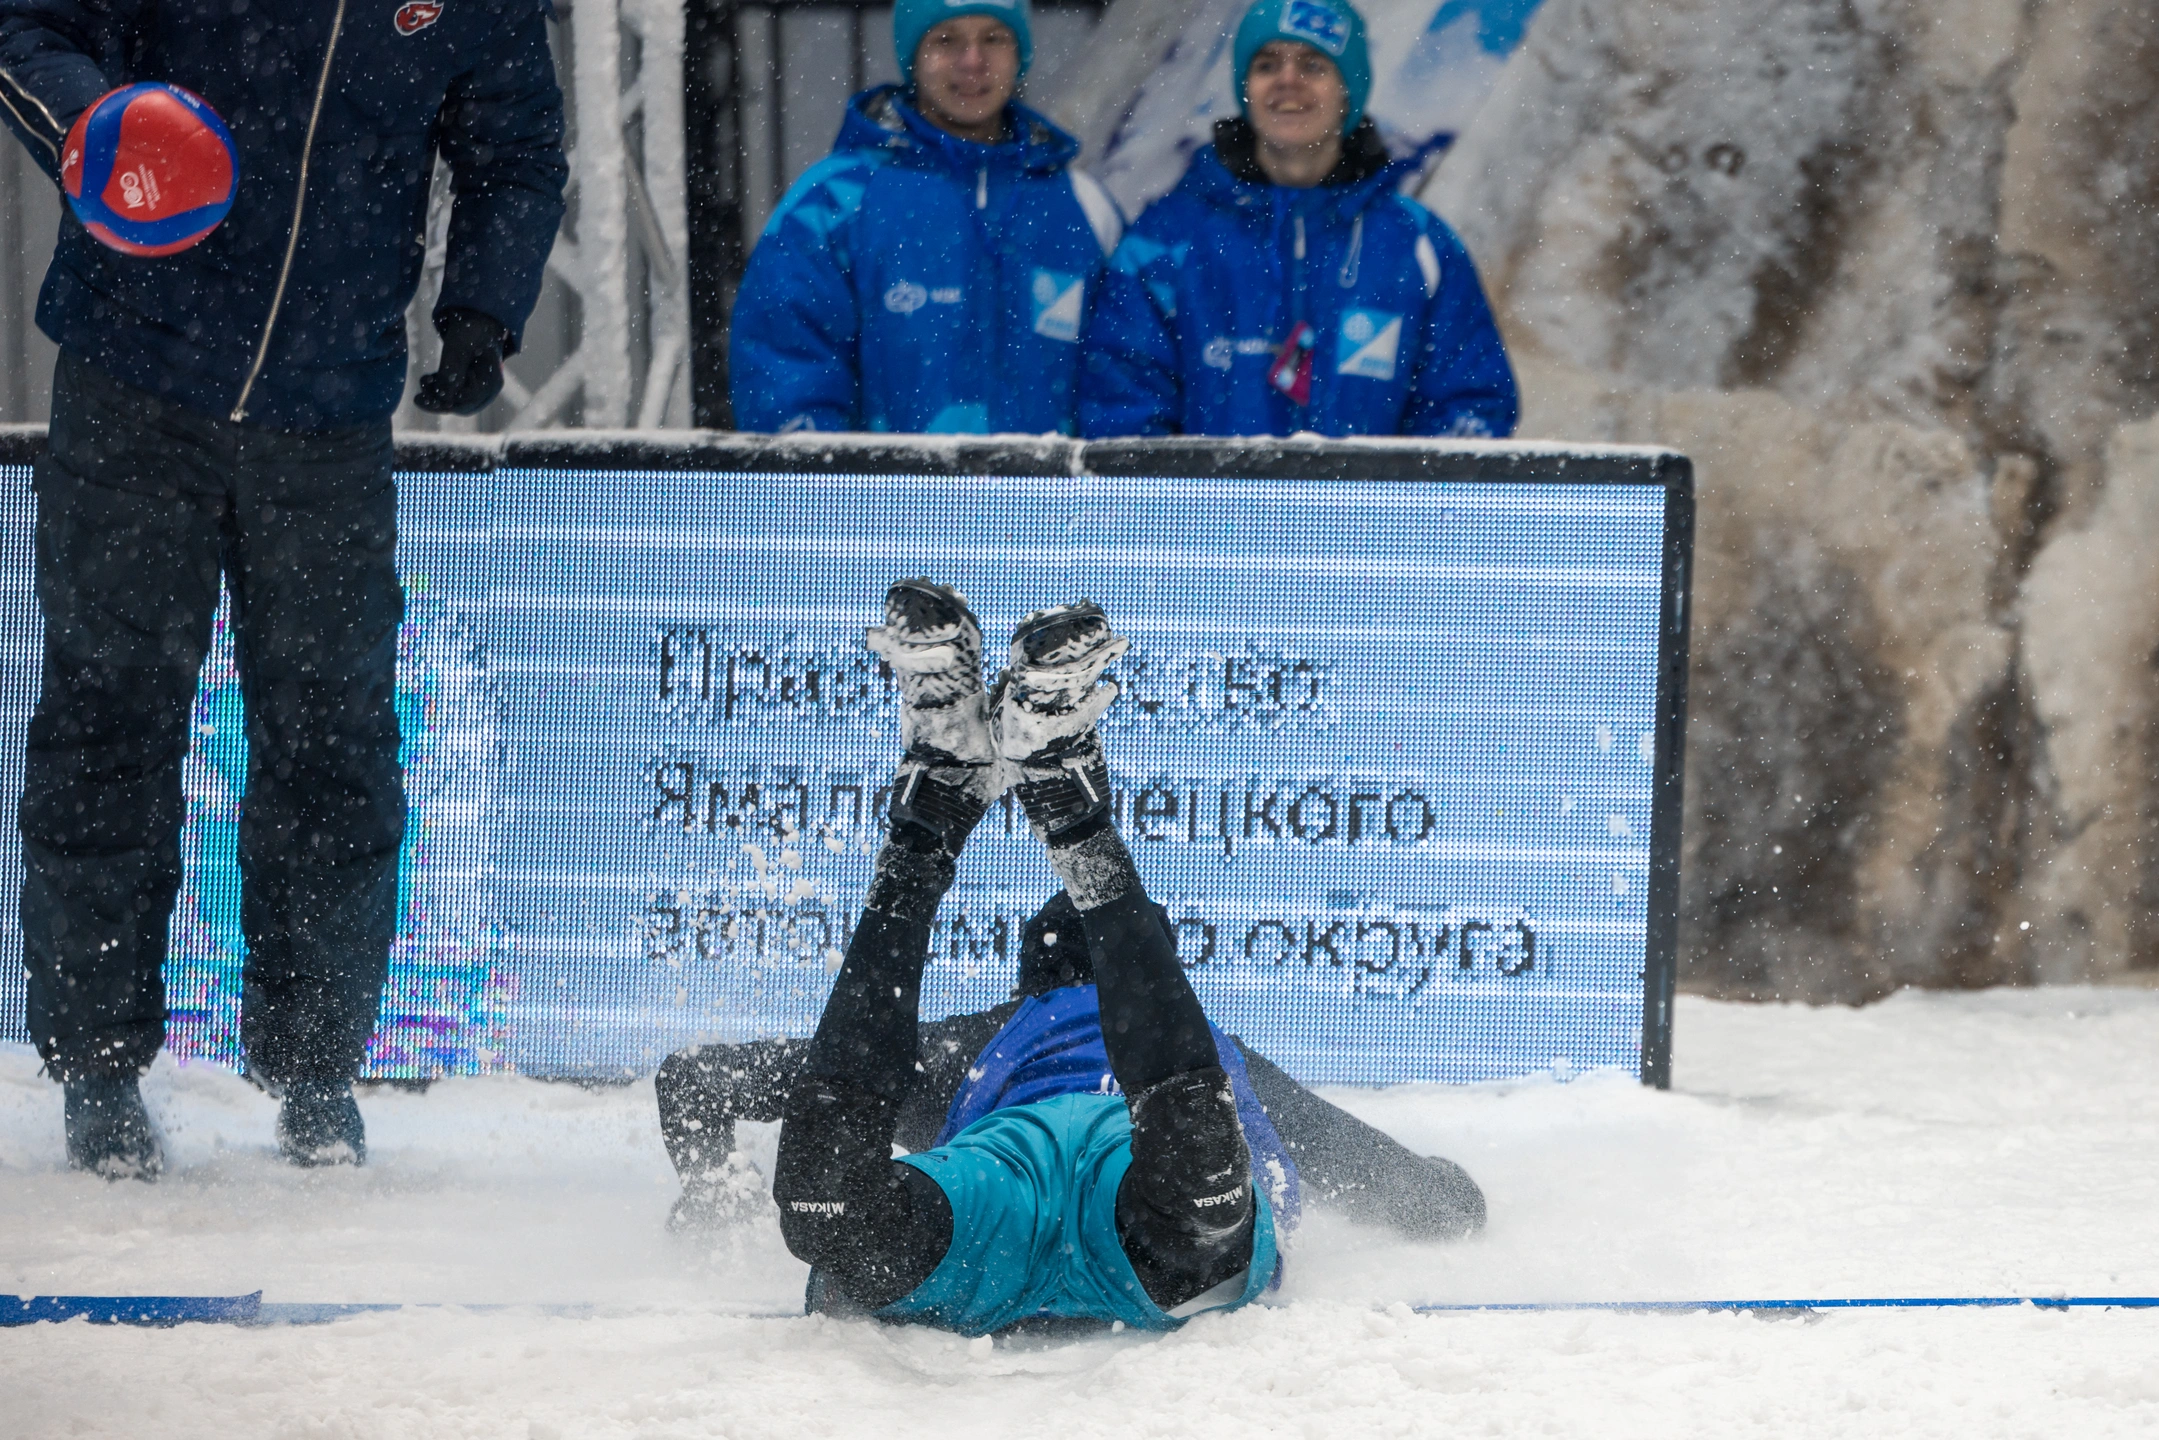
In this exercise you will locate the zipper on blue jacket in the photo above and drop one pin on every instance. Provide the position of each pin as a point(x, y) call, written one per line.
point(1296, 273)
point(989, 305)
point(1346, 277)
point(299, 212)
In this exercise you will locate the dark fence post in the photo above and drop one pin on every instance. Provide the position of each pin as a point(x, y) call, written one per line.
point(712, 76)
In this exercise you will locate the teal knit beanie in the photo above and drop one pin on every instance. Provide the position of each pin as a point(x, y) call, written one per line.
point(1332, 27)
point(913, 19)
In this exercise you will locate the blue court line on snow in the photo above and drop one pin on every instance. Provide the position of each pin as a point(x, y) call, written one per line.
point(131, 1309)
point(1884, 1302)
point(157, 1311)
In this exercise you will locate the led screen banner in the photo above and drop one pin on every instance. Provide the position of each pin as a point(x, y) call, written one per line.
point(1398, 746)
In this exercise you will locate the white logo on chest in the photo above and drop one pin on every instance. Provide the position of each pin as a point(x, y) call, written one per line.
point(1059, 302)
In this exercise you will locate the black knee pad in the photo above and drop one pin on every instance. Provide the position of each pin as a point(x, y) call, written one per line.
point(1190, 1163)
point(876, 1228)
point(835, 1147)
point(1186, 1208)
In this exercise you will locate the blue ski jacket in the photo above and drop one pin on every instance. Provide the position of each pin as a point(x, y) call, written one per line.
point(351, 99)
point(1214, 278)
point(1053, 1046)
point(915, 282)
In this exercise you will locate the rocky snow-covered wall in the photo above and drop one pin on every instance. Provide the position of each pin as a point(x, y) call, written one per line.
point(1887, 271)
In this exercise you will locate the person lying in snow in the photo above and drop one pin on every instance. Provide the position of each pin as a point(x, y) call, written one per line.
point(1130, 1168)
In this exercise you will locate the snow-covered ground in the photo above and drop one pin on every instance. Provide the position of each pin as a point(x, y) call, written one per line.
point(2005, 1142)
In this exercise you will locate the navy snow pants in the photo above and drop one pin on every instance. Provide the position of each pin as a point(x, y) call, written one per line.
point(141, 505)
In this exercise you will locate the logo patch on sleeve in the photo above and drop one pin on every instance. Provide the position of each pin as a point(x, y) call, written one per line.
point(1316, 25)
point(1058, 301)
point(416, 16)
point(1368, 344)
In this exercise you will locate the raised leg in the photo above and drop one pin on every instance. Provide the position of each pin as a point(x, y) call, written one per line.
point(873, 1229)
point(1186, 1208)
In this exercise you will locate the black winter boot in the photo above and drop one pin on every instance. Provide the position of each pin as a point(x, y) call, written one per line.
point(319, 1124)
point(108, 1131)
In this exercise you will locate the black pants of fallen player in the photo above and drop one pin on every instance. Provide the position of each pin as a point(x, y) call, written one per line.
point(1346, 1164)
point(1354, 1168)
point(875, 1228)
point(141, 507)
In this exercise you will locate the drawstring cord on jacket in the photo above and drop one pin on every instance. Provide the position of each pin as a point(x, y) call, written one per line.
point(1346, 277)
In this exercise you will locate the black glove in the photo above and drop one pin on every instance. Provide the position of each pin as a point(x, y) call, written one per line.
point(470, 375)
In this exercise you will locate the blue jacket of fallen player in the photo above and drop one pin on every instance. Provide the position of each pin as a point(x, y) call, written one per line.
point(916, 282)
point(1237, 305)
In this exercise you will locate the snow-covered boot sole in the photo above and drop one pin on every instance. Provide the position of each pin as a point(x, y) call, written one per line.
point(933, 643)
point(948, 772)
point(1050, 698)
point(1043, 716)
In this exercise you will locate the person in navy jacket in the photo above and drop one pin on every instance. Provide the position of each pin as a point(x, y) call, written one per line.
point(933, 273)
point(223, 413)
point(1285, 285)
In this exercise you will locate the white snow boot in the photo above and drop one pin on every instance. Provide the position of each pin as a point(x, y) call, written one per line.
point(948, 772)
point(1044, 713)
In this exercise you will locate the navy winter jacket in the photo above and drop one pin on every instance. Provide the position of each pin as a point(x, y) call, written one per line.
point(470, 78)
point(912, 281)
point(1213, 278)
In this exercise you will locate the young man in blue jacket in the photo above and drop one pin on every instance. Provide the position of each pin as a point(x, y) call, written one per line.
point(1285, 285)
point(226, 410)
point(934, 272)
